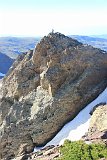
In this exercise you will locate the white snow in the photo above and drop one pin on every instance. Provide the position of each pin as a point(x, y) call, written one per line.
point(76, 128)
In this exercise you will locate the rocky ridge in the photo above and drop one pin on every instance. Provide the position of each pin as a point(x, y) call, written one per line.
point(45, 88)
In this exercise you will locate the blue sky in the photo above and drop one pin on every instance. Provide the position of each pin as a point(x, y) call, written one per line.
point(39, 17)
point(46, 4)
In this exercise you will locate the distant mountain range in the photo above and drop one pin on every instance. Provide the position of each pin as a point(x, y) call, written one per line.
point(1, 75)
point(98, 42)
point(100, 36)
point(5, 63)
point(12, 46)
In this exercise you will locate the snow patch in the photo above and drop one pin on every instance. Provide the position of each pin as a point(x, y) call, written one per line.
point(76, 128)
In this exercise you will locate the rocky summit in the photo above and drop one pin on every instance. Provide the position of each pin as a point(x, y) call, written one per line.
point(44, 89)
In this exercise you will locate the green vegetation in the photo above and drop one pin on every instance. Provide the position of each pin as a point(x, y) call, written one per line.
point(81, 151)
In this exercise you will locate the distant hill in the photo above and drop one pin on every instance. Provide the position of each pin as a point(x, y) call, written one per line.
point(12, 46)
point(94, 41)
point(1, 75)
point(100, 36)
point(5, 63)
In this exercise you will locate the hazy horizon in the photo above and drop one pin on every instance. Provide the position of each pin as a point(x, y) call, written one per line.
point(29, 36)
point(36, 18)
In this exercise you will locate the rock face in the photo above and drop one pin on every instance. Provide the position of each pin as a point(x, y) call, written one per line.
point(98, 125)
point(45, 88)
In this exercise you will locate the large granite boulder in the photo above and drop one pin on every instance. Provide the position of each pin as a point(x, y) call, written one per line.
point(45, 88)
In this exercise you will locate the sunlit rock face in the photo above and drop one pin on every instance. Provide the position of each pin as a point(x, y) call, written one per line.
point(97, 131)
point(45, 88)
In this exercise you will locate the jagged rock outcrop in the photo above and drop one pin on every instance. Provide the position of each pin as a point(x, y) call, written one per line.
point(45, 88)
point(98, 125)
